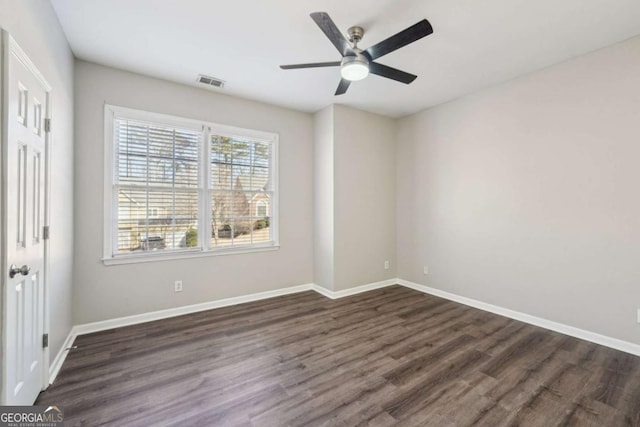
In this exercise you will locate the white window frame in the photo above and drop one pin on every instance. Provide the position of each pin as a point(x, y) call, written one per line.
point(111, 113)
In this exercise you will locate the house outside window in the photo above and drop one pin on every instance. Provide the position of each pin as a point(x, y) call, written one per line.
point(177, 187)
point(261, 208)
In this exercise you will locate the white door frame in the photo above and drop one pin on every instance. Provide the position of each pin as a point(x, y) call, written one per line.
point(8, 47)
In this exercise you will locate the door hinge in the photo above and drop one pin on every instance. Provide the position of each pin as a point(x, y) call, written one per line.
point(45, 232)
point(45, 340)
point(47, 125)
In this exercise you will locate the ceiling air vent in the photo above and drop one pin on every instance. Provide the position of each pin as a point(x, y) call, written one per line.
point(210, 81)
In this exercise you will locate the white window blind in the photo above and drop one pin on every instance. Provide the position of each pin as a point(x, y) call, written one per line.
point(195, 188)
point(156, 186)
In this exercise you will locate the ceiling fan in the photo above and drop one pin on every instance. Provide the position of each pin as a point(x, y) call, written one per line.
point(356, 64)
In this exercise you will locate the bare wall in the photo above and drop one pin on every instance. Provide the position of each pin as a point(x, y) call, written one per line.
point(364, 181)
point(526, 196)
point(323, 195)
point(354, 190)
point(104, 292)
point(35, 27)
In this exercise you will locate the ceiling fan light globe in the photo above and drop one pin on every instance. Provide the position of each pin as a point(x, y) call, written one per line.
point(354, 68)
point(354, 71)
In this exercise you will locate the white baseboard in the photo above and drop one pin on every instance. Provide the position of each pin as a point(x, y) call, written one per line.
point(353, 291)
point(103, 325)
point(55, 366)
point(178, 311)
point(604, 340)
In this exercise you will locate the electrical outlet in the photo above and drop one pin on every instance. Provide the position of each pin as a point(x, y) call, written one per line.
point(425, 270)
point(177, 286)
point(386, 265)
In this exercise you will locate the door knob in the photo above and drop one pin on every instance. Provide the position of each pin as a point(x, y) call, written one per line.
point(15, 270)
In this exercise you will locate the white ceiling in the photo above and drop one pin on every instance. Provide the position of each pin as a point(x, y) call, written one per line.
point(475, 43)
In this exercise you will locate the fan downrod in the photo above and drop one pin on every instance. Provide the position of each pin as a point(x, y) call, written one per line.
point(355, 34)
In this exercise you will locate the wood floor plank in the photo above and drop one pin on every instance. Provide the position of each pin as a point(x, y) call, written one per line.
point(387, 357)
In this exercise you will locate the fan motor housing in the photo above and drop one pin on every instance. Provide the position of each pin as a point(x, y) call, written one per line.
point(359, 57)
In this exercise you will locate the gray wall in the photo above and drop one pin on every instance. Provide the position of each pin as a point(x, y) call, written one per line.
point(354, 190)
point(323, 194)
point(34, 26)
point(364, 188)
point(105, 292)
point(525, 195)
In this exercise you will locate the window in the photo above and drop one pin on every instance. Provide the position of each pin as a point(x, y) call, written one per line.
point(261, 208)
point(177, 187)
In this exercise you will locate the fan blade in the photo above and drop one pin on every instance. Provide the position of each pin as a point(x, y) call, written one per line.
point(312, 65)
point(403, 38)
point(391, 73)
point(343, 86)
point(332, 32)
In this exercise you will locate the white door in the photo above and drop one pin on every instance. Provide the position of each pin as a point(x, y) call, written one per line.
point(26, 107)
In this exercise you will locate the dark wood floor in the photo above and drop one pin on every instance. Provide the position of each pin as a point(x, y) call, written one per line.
point(387, 357)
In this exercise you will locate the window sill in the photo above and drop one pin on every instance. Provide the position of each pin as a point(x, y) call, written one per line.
point(155, 256)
